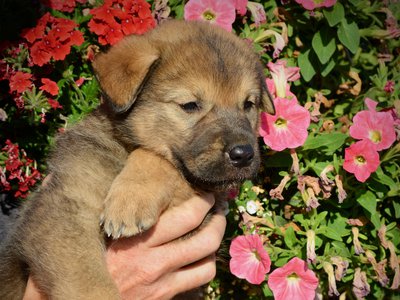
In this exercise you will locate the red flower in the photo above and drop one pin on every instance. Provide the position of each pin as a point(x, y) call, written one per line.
point(113, 33)
point(60, 51)
point(62, 5)
point(39, 55)
point(115, 19)
point(76, 38)
point(80, 81)
point(62, 29)
point(20, 82)
point(54, 103)
point(52, 38)
point(49, 86)
point(19, 171)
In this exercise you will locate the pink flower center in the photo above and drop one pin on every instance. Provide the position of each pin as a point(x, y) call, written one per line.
point(375, 136)
point(293, 278)
point(280, 123)
point(256, 255)
point(209, 15)
point(360, 160)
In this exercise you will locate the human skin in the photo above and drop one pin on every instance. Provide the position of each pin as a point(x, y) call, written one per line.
point(159, 265)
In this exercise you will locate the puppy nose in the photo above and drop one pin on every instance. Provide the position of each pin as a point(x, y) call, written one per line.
point(241, 155)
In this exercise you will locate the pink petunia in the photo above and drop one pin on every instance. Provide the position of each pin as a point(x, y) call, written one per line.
point(378, 127)
point(312, 4)
point(249, 260)
point(361, 159)
point(241, 6)
point(258, 13)
point(221, 12)
point(288, 127)
point(281, 74)
point(293, 281)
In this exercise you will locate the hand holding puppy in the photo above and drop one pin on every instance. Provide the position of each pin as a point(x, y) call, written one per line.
point(155, 265)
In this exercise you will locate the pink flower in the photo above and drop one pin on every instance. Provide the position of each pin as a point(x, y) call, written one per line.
point(281, 75)
point(241, 6)
point(221, 12)
point(249, 260)
point(361, 287)
point(378, 127)
point(361, 159)
point(287, 128)
point(258, 13)
point(312, 4)
point(389, 86)
point(293, 281)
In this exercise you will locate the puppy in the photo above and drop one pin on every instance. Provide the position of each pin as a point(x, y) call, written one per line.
point(180, 114)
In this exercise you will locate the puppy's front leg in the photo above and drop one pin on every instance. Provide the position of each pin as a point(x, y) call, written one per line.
point(138, 195)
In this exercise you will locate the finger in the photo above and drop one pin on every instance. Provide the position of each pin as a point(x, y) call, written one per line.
point(179, 220)
point(201, 244)
point(32, 292)
point(191, 277)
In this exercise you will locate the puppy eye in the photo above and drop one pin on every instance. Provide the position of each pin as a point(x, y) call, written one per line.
point(190, 107)
point(247, 105)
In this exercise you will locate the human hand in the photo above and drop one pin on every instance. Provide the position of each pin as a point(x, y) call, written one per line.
point(159, 265)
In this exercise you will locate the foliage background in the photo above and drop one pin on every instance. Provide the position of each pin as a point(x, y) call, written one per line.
point(345, 53)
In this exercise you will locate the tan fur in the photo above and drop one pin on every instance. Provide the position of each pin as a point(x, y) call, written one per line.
point(139, 153)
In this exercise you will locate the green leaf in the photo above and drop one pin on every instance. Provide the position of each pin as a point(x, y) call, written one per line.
point(279, 159)
point(381, 177)
point(335, 14)
point(340, 248)
point(307, 69)
point(349, 35)
point(369, 202)
point(329, 142)
point(267, 291)
point(339, 224)
point(396, 207)
point(327, 68)
point(324, 44)
point(332, 234)
point(319, 218)
point(290, 237)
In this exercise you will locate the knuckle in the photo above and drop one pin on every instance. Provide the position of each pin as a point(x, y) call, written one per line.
point(149, 274)
point(209, 197)
point(191, 219)
point(212, 270)
point(214, 238)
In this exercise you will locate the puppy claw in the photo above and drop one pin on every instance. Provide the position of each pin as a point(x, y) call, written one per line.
point(120, 231)
point(102, 219)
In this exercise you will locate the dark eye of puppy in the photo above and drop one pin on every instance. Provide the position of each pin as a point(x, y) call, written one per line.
point(190, 107)
point(247, 105)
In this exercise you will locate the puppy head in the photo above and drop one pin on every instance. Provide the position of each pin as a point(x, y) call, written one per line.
point(196, 92)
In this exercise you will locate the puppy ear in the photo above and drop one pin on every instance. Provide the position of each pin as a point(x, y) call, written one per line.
point(124, 69)
point(267, 103)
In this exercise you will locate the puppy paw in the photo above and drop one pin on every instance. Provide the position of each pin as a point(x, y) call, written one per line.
point(127, 211)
